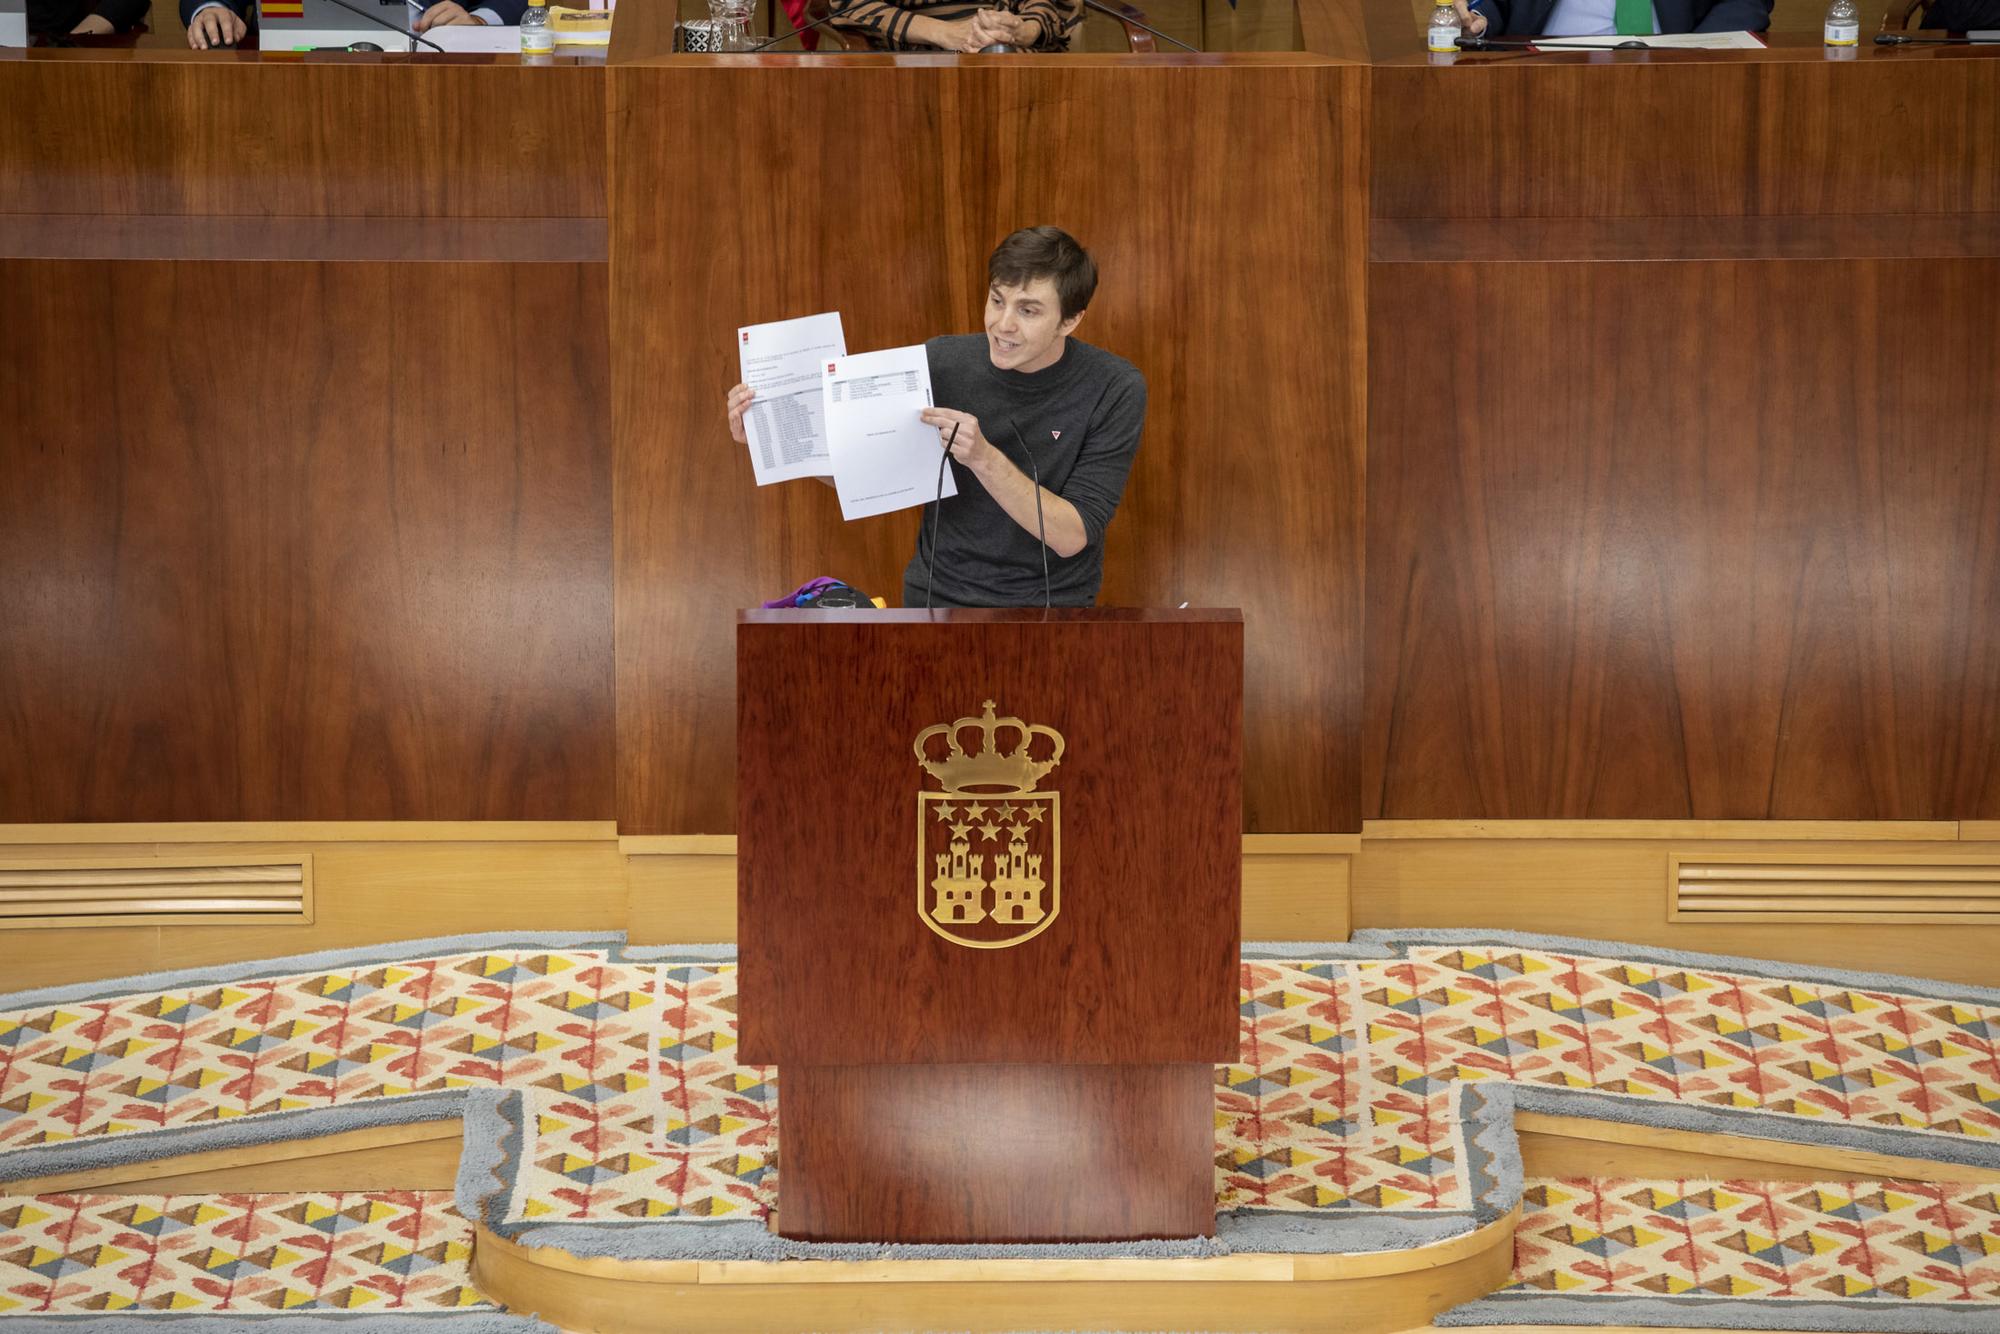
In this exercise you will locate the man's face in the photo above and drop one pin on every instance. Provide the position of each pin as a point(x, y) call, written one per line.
point(1024, 326)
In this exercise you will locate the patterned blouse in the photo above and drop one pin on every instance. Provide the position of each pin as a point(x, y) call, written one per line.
point(888, 21)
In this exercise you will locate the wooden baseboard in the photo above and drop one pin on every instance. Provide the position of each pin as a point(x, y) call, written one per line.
point(1610, 880)
point(419, 1156)
point(1374, 1293)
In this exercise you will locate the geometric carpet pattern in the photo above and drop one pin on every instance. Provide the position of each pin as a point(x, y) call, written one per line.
point(1345, 1098)
point(1752, 1254)
point(1896, 1240)
point(375, 1252)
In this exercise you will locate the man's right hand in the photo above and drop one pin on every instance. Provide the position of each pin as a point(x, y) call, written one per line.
point(739, 399)
point(1472, 19)
point(217, 25)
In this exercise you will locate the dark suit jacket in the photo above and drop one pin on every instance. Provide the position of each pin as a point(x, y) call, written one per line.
point(510, 11)
point(1526, 18)
point(1964, 15)
point(56, 17)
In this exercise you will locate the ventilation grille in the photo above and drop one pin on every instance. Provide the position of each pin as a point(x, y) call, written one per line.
point(1804, 890)
point(155, 893)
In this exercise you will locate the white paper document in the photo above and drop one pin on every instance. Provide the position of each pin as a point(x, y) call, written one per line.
point(884, 455)
point(784, 362)
point(1661, 41)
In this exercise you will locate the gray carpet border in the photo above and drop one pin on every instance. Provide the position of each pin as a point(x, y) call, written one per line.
point(1626, 951)
point(232, 1322)
point(1312, 951)
point(1868, 1316)
point(388, 951)
point(693, 953)
point(96, 1151)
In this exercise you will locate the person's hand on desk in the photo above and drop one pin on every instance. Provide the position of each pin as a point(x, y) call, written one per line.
point(92, 25)
point(445, 14)
point(1474, 21)
point(1000, 25)
point(966, 35)
point(216, 25)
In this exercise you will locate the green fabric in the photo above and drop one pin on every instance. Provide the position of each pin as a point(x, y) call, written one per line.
point(1634, 18)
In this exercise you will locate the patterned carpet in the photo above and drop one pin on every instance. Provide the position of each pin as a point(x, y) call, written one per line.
point(1343, 1100)
point(378, 1252)
point(1610, 1249)
point(1350, 1103)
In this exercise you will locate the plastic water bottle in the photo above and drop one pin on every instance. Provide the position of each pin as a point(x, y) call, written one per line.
point(1843, 23)
point(1445, 27)
point(538, 40)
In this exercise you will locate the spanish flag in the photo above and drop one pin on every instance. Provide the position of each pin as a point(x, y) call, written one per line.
point(282, 9)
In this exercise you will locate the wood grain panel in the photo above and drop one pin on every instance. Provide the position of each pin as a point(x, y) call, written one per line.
point(157, 132)
point(1703, 541)
point(316, 542)
point(1572, 137)
point(1136, 963)
point(223, 237)
point(992, 1153)
point(1246, 320)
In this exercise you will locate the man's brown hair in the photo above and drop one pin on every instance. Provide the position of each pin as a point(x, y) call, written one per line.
point(1045, 252)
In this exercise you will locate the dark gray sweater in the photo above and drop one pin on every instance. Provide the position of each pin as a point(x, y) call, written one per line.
point(1082, 418)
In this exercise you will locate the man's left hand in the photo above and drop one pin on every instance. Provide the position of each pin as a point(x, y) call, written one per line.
point(444, 14)
point(94, 25)
point(1005, 26)
point(971, 447)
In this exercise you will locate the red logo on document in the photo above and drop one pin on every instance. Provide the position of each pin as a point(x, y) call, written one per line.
point(1055, 435)
point(746, 335)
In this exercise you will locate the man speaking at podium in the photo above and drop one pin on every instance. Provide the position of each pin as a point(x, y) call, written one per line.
point(1025, 399)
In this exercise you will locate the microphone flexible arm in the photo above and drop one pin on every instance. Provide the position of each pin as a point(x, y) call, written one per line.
point(1041, 528)
point(414, 37)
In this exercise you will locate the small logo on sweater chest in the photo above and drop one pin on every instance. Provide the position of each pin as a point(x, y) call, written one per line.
point(1055, 435)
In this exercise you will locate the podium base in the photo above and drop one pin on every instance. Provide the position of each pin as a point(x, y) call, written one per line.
point(996, 1153)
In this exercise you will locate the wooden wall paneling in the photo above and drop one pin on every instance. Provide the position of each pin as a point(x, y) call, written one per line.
point(796, 219)
point(1247, 321)
point(1780, 133)
point(301, 541)
point(1684, 540)
point(196, 133)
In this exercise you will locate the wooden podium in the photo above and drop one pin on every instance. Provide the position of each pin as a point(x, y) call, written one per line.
point(989, 870)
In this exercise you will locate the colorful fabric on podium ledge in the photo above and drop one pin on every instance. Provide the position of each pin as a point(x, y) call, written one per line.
point(1347, 1098)
point(1740, 1253)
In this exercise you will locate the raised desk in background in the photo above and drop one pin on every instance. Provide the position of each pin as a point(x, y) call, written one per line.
point(1583, 435)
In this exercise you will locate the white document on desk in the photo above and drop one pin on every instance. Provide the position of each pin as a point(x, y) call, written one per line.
point(1660, 41)
point(784, 362)
point(884, 456)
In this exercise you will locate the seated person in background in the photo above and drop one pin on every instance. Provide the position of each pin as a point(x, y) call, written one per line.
point(223, 22)
point(58, 18)
point(955, 25)
point(1964, 15)
point(1609, 18)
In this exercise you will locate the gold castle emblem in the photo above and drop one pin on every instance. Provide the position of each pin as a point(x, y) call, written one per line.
point(989, 846)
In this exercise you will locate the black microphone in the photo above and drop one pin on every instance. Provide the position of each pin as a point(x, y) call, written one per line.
point(377, 18)
point(1041, 529)
point(1143, 27)
point(1904, 39)
point(831, 14)
point(930, 575)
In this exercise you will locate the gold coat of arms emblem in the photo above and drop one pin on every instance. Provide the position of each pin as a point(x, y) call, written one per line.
point(989, 846)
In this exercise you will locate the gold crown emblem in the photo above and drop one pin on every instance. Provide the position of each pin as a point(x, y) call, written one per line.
point(988, 770)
